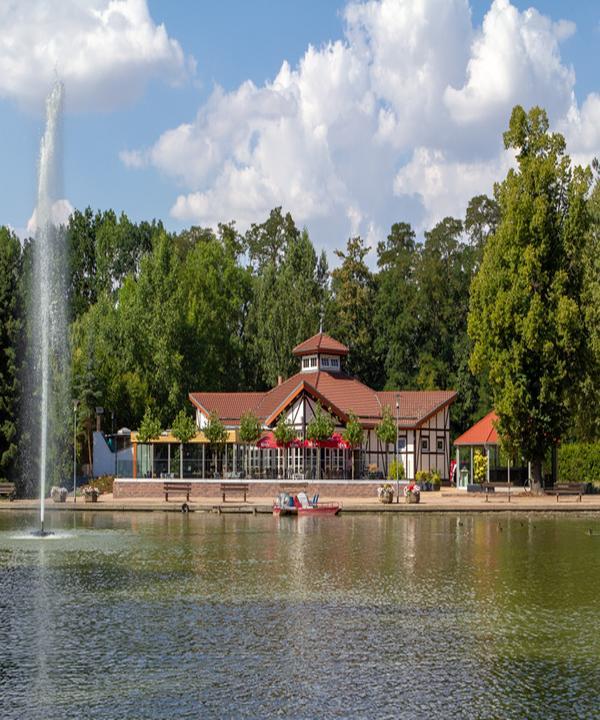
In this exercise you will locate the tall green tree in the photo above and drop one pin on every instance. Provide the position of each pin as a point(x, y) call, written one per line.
point(586, 402)
point(289, 296)
point(214, 293)
point(351, 311)
point(526, 314)
point(395, 318)
point(11, 326)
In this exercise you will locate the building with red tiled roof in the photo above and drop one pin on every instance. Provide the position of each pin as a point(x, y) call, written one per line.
point(422, 418)
point(483, 437)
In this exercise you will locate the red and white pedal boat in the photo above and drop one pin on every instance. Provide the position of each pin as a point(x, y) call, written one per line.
point(285, 504)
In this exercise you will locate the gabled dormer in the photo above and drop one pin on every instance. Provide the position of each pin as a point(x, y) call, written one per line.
point(320, 352)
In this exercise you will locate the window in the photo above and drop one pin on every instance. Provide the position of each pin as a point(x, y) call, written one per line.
point(401, 444)
point(440, 444)
point(313, 361)
point(305, 362)
point(425, 444)
point(335, 362)
point(325, 362)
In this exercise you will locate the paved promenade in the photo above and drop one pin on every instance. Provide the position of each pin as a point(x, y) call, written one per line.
point(448, 500)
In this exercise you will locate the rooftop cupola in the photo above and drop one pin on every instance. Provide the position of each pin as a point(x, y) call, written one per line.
point(320, 352)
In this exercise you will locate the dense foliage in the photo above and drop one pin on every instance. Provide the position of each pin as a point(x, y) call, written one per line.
point(579, 462)
point(155, 315)
point(527, 318)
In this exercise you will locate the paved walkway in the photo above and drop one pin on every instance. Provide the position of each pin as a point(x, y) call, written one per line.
point(448, 500)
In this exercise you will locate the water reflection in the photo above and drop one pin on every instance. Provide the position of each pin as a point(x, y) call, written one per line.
point(169, 615)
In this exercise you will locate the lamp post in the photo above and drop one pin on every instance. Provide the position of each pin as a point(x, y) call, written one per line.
point(75, 404)
point(397, 443)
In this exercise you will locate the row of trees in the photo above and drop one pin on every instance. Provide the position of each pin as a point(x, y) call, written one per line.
point(501, 305)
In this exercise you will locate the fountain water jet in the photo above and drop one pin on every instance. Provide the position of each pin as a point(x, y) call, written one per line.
point(48, 296)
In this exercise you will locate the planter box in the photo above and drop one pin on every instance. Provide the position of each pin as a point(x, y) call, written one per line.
point(412, 498)
point(91, 497)
point(386, 497)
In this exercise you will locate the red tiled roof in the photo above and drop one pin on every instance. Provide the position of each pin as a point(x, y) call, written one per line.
point(320, 343)
point(344, 394)
point(229, 406)
point(482, 433)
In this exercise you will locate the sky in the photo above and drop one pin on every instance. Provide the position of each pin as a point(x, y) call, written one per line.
point(352, 115)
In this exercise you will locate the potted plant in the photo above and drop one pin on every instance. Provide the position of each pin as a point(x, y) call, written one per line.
point(412, 493)
point(91, 494)
point(423, 479)
point(436, 480)
point(385, 493)
point(58, 494)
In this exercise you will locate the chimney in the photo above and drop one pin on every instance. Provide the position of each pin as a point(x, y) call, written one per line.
point(279, 380)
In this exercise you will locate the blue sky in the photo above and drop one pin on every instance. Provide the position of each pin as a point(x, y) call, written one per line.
point(400, 120)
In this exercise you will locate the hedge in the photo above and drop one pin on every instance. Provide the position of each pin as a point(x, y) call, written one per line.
point(579, 462)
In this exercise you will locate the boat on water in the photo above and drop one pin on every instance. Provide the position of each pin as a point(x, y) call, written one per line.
point(286, 504)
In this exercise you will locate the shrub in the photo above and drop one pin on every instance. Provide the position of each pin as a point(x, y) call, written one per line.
point(480, 463)
point(104, 483)
point(392, 470)
point(422, 477)
point(579, 462)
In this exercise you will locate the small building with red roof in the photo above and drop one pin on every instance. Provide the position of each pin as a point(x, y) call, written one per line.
point(483, 437)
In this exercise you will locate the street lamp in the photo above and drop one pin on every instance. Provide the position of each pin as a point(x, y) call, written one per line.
point(397, 443)
point(75, 404)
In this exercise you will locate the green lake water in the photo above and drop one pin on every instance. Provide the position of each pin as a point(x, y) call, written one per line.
point(127, 616)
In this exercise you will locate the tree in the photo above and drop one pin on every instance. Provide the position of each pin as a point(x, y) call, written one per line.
point(396, 314)
point(285, 434)
point(183, 429)
point(386, 431)
point(354, 436)
point(268, 241)
point(351, 311)
point(213, 293)
point(586, 402)
point(150, 428)
point(289, 296)
point(526, 314)
point(319, 429)
point(481, 220)
point(250, 431)
point(11, 325)
point(216, 434)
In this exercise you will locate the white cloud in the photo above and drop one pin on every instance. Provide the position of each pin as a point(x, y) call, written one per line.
point(60, 213)
point(105, 51)
point(402, 120)
point(515, 59)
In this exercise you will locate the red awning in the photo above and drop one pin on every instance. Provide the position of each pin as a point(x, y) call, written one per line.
point(269, 442)
point(336, 441)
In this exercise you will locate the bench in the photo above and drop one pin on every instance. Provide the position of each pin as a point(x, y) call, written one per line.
point(491, 487)
point(567, 489)
point(179, 488)
point(8, 489)
point(234, 487)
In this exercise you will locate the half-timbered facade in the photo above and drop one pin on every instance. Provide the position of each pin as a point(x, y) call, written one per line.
point(422, 420)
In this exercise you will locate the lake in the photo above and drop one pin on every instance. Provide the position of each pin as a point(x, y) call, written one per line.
point(164, 615)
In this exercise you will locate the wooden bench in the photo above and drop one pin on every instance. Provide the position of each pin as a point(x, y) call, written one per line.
point(491, 487)
point(177, 487)
point(234, 487)
point(567, 489)
point(8, 489)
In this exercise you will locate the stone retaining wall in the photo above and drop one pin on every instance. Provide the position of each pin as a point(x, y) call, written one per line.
point(124, 488)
